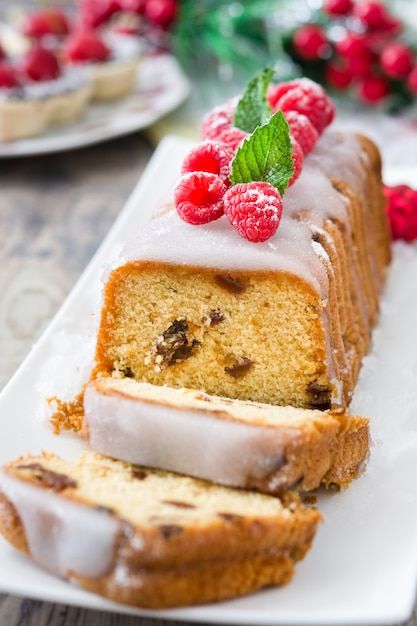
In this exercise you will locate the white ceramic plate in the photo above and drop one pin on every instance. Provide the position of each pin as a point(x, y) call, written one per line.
point(362, 568)
point(160, 87)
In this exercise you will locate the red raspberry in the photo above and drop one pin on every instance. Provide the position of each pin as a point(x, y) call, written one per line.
point(210, 156)
point(232, 136)
point(302, 130)
point(47, 22)
point(86, 46)
point(402, 211)
point(298, 159)
point(39, 64)
point(310, 99)
point(254, 210)
point(198, 197)
point(275, 92)
point(217, 120)
point(93, 13)
point(8, 78)
point(310, 42)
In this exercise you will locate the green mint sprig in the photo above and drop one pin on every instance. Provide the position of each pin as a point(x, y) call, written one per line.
point(253, 109)
point(266, 155)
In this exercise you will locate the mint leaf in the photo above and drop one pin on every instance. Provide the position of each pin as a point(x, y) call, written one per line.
point(253, 109)
point(266, 155)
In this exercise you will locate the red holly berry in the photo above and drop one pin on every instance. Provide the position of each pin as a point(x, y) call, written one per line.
point(402, 211)
point(86, 46)
point(352, 45)
point(337, 7)
point(254, 209)
point(198, 197)
point(310, 42)
point(161, 12)
point(397, 60)
point(412, 81)
point(373, 89)
point(310, 99)
point(210, 156)
point(39, 64)
point(8, 77)
point(338, 74)
point(47, 22)
point(372, 14)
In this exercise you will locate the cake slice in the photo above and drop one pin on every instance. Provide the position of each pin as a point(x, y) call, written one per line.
point(243, 444)
point(147, 537)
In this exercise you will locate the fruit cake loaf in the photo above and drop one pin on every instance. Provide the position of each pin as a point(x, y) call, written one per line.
point(147, 537)
point(242, 444)
point(285, 321)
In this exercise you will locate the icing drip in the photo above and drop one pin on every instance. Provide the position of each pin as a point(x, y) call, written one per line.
point(63, 537)
point(188, 440)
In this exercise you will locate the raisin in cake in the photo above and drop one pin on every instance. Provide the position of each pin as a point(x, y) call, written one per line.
point(147, 537)
point(284, 322)
point(243, 444)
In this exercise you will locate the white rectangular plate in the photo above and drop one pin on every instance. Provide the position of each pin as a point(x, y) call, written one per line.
point(362, 568)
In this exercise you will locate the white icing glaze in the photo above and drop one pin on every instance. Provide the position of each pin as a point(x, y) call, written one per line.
point(63, 537)
point(185, 440)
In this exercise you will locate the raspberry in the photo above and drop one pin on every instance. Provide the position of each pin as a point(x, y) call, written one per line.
point(275, 92)
point(402, 211)
point(217, 120)
point(232, 136)
point(310, 99)
point(8, 78)
point(298, 159)
point(254, 209)
point(86, 45)
point(198, 197)
point(47, 22)
point(302, 130)
point(210, 156)
point(39, 64)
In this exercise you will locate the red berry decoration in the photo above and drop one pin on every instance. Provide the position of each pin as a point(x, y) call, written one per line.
point(310, 42)
point(372, 14)
point(233, 137)
point(337, 7)
point(412, 81)
point(8, 78)
point(254, 209)
point(198, 197)
point(86, 46)
point(39, 64)
point(217, 120)
point(302, 131)
point(210, 156)
point(42, 23)
point(161, 12)
point(402, 211)
point(374, 90)
point(310, 99)
point(338, 74)
point(93, 13)
point(397, 60)
point(298, 160)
